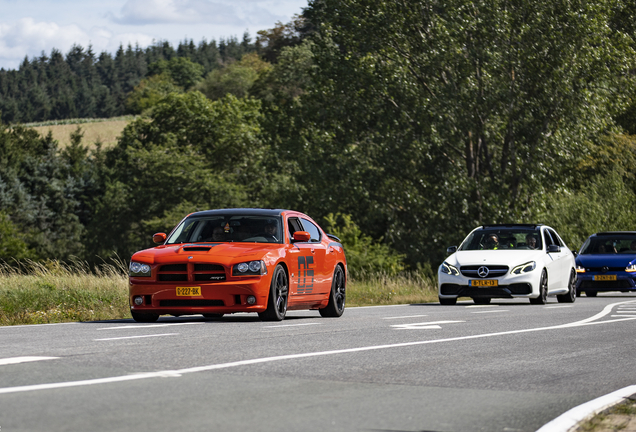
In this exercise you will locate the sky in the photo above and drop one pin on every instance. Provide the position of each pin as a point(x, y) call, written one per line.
point(29, 27)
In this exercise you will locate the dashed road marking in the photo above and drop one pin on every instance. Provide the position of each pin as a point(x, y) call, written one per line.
point(492, 311)
point(147, 326)
point(434, 325)
point(25, 359)
point(291, 325)
point(136, 337)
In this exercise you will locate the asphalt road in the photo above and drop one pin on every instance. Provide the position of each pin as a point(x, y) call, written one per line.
point(509, 366)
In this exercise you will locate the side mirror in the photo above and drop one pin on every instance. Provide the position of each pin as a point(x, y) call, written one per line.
point(301, 236)
point(159, 238)
point(451, 250)
point(554, 248)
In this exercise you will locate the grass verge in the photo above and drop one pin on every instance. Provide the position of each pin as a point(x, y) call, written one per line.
point(612, 419)
point(52, 292)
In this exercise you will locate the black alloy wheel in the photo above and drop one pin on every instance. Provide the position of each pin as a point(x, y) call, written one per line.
point(337, 296)
point(543, 290)
point(571, 295)
point(278, 294)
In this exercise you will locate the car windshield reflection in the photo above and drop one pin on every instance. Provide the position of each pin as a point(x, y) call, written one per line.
point(610, 244)
point(503, 239)
point(224, 228)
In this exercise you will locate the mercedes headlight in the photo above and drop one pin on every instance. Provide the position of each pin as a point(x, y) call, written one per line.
point(449, 269)
point(524, 268)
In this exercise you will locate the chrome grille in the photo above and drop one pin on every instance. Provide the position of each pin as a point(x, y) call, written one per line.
point(472, 271)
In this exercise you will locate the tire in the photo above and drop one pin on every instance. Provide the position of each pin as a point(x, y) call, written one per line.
point(481, 300)
point(213, 315)
point(278, 295)
point(448, 301)
point(591, 293)
point(144, 317)
point(543, 290)
point(336, 306)
point(571, 295)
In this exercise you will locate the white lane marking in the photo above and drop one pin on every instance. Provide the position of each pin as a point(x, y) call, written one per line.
point(407, 316)
point(481, 306)
point(36, 325)
point(291, 325)
point(493, 311)
point(569, 419)
point(558, 307)
point(606, 311)
point(176, 373)
point(422, 325)
point(136, 337)
point(25, 359)
point(148, 326)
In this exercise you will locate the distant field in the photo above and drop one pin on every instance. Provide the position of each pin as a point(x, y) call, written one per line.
point(105, 131)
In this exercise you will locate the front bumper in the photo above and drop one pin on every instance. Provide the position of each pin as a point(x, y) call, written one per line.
point(508, 286)
point(624, 282)
point(218, 297)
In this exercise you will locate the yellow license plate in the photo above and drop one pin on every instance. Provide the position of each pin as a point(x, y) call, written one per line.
point(604, 277)
point(484, 282)
point(188, 291)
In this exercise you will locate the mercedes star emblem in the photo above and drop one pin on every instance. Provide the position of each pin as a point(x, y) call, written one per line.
point(482, 271)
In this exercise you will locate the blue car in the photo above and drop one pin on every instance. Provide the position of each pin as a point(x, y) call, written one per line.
point(607, 262)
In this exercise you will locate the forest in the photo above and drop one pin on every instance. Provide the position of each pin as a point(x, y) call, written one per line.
point(399, 125)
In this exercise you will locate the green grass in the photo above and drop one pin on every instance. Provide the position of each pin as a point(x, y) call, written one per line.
point(379, 289)
point(52, 292)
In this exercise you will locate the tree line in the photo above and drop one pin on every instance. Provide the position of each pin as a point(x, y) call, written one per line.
point(399, 124)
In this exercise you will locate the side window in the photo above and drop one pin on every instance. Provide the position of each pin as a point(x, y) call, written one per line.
point(311, 229)
point(557, 239)
point(294, 225)
point(547, 238)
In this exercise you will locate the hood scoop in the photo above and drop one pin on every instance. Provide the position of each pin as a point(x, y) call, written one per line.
point(198, 248)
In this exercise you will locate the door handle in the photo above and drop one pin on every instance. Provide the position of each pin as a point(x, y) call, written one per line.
point(313, 251)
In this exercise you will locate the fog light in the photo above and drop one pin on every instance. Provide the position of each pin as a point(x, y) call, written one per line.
point(138, 300)
point(251, 300)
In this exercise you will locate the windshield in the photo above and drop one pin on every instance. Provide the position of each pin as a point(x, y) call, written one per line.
point(503, 239)
point(227, 228)
point(610, 243)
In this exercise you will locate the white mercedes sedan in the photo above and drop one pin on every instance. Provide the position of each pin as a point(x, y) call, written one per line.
point(508, 261)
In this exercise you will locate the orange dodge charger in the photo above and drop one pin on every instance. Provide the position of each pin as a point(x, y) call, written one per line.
point(217, 262)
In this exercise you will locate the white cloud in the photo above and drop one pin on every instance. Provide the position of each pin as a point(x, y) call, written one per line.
point(29, 38)
point(136, 12)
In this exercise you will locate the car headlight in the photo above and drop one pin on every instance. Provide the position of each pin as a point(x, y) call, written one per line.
point(139, 270)
point(524, 268)
point(250, 268)
point(581, 269)
point(631, 268)
point(449, 269)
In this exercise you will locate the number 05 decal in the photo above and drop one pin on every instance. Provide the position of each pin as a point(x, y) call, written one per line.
point(305, 274)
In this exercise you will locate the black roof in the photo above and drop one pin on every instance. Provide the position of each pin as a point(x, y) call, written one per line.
point(241, 211)
point(614, 233)
point(512, 225)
